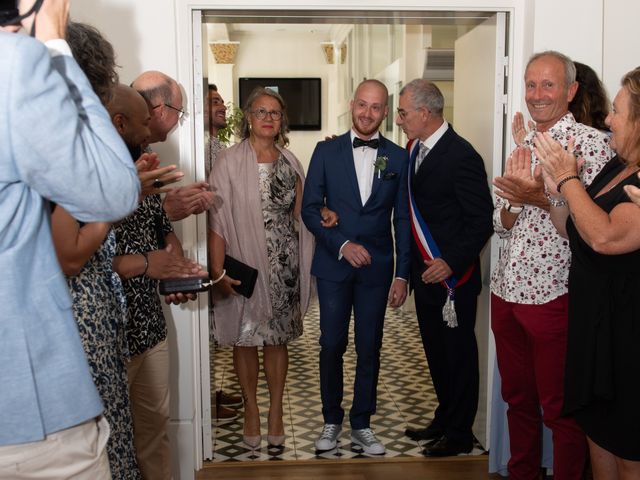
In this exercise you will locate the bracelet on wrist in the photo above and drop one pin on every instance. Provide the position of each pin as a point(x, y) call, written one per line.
point(146, 263)
point(224, 272)
point(565, 180)
point(513, 209)
point(556, 201)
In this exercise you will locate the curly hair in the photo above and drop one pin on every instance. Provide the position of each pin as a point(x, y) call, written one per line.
point(590, 105)
point(244, 131)
point(96, 58)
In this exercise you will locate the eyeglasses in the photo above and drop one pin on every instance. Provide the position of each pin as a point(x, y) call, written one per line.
point(402, 113)
point(261, 114)
point(182, 113)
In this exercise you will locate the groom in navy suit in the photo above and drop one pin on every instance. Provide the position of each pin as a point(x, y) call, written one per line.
point(363, 178)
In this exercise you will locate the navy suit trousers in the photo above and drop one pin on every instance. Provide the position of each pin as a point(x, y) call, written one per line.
point(337, 299)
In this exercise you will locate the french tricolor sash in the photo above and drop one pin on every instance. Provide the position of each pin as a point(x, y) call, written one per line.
point(427, 245)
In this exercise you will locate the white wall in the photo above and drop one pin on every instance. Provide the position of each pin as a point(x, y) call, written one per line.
point(621, 45)
point(279, 55)
point(573, 27)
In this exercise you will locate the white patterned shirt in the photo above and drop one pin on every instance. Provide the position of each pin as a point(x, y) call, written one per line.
point(533, 267)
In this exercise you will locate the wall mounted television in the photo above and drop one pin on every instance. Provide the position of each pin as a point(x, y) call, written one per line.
point(302, 96)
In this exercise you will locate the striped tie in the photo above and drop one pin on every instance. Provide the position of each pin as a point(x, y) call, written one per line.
point(422, 152)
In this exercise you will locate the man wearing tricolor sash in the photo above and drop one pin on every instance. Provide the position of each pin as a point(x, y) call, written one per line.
point(451, 221)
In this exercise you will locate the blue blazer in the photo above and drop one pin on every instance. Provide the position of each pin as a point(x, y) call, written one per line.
point(332, 180)
point(58, 143)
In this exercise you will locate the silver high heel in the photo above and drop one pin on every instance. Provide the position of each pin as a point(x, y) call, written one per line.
point(252, 441)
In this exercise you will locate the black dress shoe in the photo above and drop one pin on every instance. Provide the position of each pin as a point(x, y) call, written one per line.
point(428, 433)
point(431, 443)
point(446, 447)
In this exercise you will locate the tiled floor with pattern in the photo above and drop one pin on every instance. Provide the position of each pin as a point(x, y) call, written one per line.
point(405, 397)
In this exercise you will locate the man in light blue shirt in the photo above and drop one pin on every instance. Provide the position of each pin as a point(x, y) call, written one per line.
point(58, 145)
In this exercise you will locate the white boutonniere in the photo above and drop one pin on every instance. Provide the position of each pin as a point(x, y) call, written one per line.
point(380, 164)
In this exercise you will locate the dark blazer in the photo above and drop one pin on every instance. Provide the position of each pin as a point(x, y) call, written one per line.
point(452, 195)
point(332, 179)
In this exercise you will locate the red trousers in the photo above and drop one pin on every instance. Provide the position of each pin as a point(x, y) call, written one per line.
point(531, 345)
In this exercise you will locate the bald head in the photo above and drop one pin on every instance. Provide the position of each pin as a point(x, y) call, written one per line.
point(130, 115)
point(164, 99)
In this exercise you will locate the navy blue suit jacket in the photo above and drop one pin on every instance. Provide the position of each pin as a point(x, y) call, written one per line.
point(332, 180)
point(452, 195)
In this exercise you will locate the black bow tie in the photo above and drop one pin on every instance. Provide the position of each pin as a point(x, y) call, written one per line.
point(373, 143)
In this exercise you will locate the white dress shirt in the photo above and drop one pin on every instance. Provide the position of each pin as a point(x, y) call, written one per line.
point(431, 141)
point(363, 160)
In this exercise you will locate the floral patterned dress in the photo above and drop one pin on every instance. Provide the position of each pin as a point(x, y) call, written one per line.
point(278, 195)
point(99, 308)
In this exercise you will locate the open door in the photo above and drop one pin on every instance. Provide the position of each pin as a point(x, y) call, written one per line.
point(201, 128)
point(479, 116)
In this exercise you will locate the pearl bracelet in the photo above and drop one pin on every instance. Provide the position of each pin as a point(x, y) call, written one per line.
point(224, 272)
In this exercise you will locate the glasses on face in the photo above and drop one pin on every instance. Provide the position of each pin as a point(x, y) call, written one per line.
point(182, 113)
point(261, 114)
point(402, 113)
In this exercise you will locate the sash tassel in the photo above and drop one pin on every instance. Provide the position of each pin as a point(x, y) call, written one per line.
point(429, 249)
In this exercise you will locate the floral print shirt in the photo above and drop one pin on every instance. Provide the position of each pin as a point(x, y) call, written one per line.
point(533, 267)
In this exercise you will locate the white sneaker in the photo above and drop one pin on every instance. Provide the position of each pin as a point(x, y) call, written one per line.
point(328, 439)
point(368, 441)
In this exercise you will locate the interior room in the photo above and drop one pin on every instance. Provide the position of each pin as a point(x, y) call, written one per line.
point(247, 49)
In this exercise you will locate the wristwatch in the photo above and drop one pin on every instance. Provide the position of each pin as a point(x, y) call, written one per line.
point(513, 209)
point(556, 201)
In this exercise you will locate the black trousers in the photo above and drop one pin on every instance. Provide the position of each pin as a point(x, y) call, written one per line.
point(452, 355)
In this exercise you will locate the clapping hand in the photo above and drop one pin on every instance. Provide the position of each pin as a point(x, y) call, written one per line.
point(519, 185)
point(192, 199)
point(153, 178)
point(518, 130)
point(165, 263)
point(557, 163)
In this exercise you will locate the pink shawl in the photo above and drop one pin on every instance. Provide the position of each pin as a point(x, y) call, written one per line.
point(239, 220)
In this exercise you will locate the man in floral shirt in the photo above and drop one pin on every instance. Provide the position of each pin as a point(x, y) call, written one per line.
point(529, 286)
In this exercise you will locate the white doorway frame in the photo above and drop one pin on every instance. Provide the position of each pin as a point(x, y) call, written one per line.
point(520, 39)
